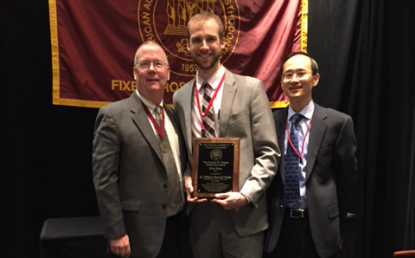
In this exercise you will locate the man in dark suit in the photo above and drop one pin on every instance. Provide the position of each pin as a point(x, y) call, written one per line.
point(231, 224)
point(307, 215)
point(138, 158)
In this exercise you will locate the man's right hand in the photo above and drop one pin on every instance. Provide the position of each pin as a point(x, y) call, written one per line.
point(120, 246)
point(189, 190)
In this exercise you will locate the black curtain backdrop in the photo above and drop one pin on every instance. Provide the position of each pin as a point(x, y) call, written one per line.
point(366, 62)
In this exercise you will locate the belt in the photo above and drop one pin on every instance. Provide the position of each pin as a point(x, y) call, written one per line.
point(296, 213)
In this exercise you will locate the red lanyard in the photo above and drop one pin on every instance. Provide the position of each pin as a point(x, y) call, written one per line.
point(159, 129)
point(300, 155)
point(202, 116)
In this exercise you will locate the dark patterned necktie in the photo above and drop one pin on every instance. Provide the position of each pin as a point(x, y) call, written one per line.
point(175, 194)
point(209, 121)
point(292, 164)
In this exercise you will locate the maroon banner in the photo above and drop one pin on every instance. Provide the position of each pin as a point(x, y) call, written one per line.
point(94, 42)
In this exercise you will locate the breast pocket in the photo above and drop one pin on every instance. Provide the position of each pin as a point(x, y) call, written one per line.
point(237, 124)
point(333, 211)
point(325, 156)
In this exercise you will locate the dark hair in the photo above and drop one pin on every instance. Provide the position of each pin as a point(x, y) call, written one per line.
point(203, 17)
point(314, 65)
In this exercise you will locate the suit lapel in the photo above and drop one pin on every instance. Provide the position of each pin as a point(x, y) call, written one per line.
point(188, 97)
point(229, 90)
point(175, 123)
point(281, 118)
point(280, 126)
point(141, 121)
point(171, 116)
point(317, 132)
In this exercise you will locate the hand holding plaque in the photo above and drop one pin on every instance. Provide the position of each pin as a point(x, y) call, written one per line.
point(215, 166)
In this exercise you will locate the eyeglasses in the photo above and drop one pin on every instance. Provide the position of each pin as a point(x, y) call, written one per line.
point(300, 75)
point(145, 64)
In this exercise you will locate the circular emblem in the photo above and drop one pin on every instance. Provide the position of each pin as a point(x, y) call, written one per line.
point(165, 21)
point(216, 154)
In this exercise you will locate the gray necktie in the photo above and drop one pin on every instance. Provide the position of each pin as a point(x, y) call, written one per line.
point(175, 194)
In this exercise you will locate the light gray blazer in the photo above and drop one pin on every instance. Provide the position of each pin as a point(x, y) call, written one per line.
point(244, 114)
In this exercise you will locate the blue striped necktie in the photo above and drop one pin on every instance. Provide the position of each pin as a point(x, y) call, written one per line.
point(292, 164)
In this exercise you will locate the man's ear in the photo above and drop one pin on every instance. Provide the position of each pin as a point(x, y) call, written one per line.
point(188, 44)
point(222, 43)
point(135, 72)
point(316, 78)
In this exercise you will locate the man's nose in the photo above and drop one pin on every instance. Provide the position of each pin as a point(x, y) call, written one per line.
point(295, 77)
point(204, 44)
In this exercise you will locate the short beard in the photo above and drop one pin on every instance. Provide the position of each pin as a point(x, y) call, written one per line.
point(209, 65)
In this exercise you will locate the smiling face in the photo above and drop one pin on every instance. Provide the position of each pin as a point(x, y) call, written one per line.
point(151, 72)
point(298, 80)
point(205, 46)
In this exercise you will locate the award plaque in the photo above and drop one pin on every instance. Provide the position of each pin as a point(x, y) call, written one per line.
point(215, 166)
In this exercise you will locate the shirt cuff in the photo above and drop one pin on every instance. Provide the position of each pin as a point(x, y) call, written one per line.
point(247, 198)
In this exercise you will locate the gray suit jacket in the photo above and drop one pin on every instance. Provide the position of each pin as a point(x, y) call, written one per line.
point(129, 176)
point(330, 178)
point(244, 114)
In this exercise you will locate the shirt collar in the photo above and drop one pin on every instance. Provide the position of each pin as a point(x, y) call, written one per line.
point(147, 102)
point(307, 111)
point(213, 80)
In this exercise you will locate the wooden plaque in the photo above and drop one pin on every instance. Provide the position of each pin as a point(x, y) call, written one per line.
point(215, 166)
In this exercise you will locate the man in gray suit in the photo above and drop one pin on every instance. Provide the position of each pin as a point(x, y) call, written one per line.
point(231, 224)
point(138, 158)
point(312, 224)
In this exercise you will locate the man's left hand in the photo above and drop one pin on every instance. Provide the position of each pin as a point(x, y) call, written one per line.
point(230, 200)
